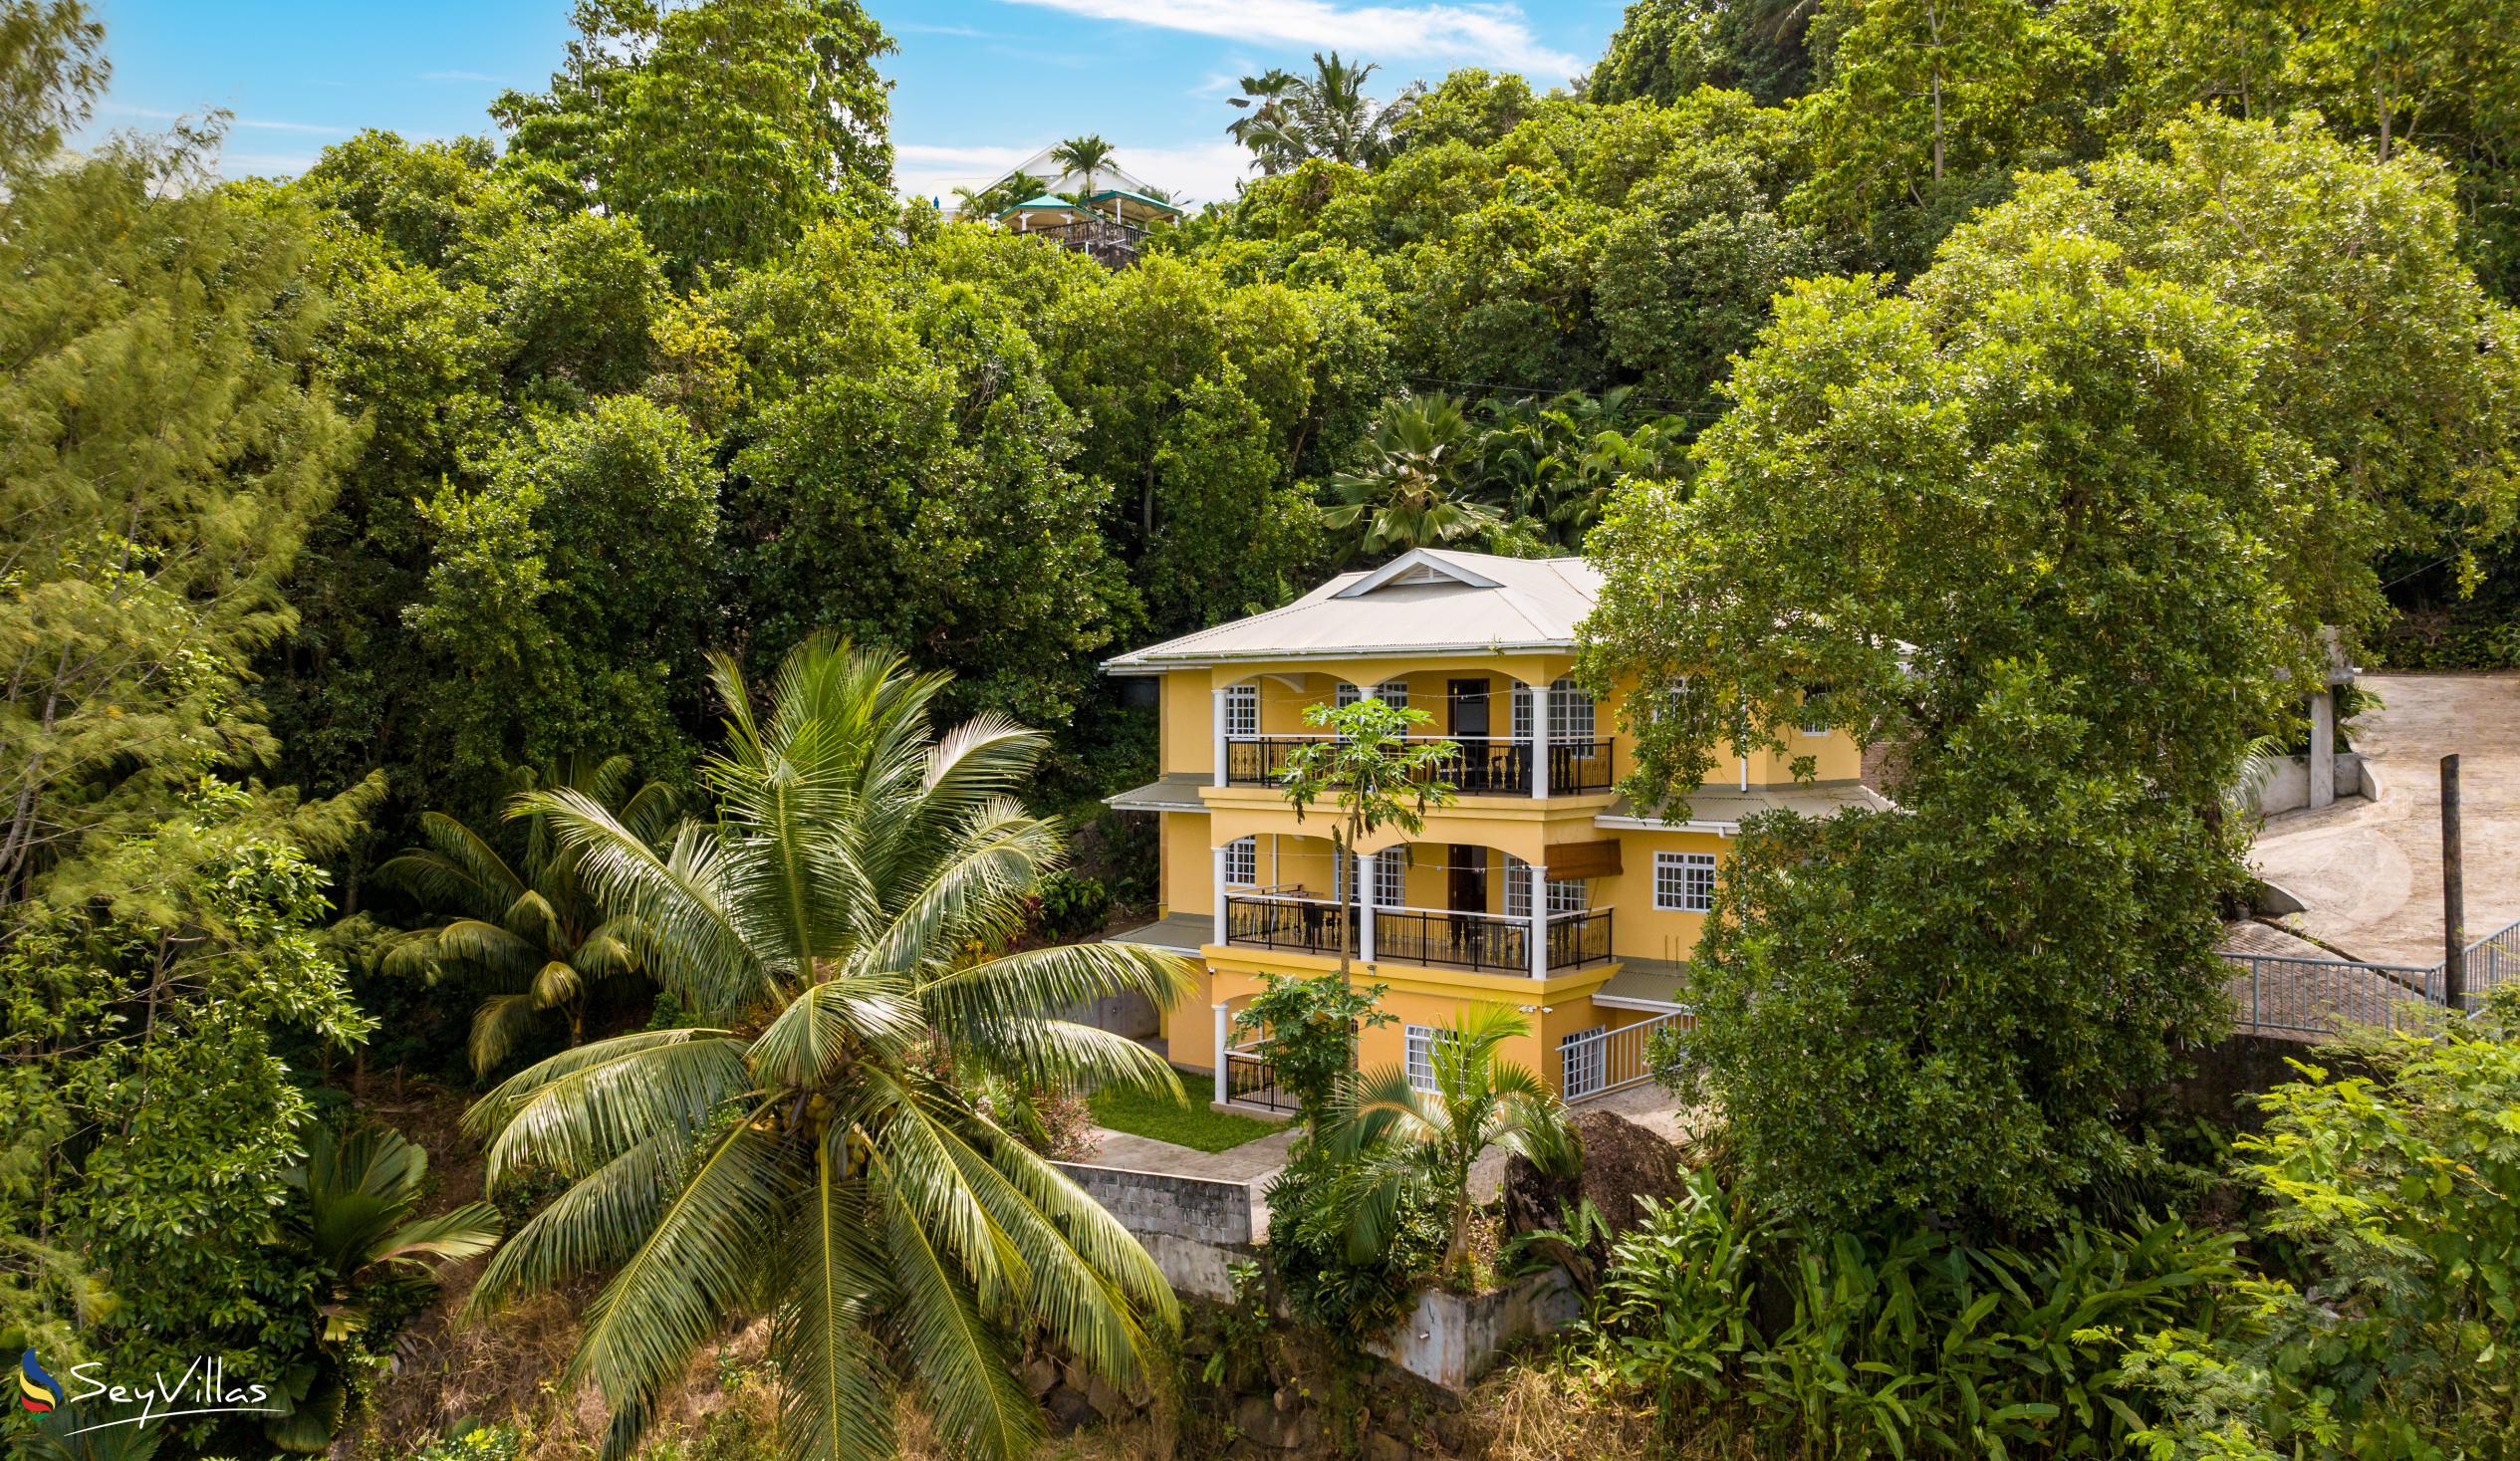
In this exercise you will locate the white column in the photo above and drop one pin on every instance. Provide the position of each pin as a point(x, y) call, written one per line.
point(1224, 1030)
point(1539, 921)
point(1366, 864)
point(1540, 739)
point(1220, 895)
point(1217, 711)
point(2323, 747)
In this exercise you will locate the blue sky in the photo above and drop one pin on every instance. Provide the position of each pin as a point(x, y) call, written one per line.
point(979, 84)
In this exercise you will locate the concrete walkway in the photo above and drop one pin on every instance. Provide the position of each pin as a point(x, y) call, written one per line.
point(2370, 871)
point(1253, 1161)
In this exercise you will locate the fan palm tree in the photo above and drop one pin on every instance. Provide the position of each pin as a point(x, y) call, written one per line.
point(535, 927)
point(1394, 1140)
point(355, 1196)
point(809, 1155)
point(1412, 490)
point(1087, 154)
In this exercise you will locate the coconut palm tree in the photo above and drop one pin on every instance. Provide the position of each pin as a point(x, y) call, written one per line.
point(1269, 131)
point(1085, 155)
point(1392, 1140)
point(1324, 115)
point(808, 1154)
point(1413, 488)
point(534, 927)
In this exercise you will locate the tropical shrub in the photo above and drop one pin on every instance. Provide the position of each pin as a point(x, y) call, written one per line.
point(1349, 1298)
point(1899, 1343)
point(1308, 1028)
point(1397, 1147)
point(2398, 1190)
point(1071, 905)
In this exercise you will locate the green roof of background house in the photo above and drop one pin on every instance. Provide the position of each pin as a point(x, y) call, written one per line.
point(1046, 200)
point(1121, 192)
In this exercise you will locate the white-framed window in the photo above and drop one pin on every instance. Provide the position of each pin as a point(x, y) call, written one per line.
point(1243, 863)
point(1815, 715)
point(1580, 1064)
point(1684, 882)
point(1348, 694)
point(1566, 894)
point(1242, 710)
point(1389, 879)
point(1571, 717)
point(1394, 693)
point(1422, 1054)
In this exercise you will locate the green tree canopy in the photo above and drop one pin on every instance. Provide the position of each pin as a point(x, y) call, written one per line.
point(165, 454)
point(907, 474)
point(725, 129)
point(2036, 525)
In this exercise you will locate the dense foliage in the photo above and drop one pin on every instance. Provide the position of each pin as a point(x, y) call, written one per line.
point(1901, 1344)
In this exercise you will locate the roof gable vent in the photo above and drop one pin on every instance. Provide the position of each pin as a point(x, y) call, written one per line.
point(1417, 566)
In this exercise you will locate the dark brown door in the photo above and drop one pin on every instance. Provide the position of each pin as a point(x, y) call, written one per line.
point(1468, 891)
point(1465, 709)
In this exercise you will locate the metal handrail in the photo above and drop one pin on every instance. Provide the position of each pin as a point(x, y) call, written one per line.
point(2313, 996)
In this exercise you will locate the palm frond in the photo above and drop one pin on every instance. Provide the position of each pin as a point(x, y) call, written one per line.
point(595, 1224)
point(830, 1021)
point(464, 1232)
point(577, 1122)
point(698, 1266)
point(832, 1405)
point(672, 901)
point(485, 947)
point(498, 1024)
point(969, 1375)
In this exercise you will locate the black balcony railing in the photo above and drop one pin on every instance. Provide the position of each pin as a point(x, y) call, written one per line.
point(1475, 941)
point(1303, 925)
point(1575, 939)
point(1483, 767)
point(1480, 942)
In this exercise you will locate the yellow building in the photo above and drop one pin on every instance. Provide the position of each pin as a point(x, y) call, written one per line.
point(1538, 887)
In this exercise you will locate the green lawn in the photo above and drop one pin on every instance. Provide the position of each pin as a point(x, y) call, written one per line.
point(1151, 1114)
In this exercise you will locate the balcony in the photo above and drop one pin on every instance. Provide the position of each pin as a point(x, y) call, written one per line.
point(1484, 943)
point(1485, 768)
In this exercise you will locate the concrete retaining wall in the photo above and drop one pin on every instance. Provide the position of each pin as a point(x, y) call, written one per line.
point(1195, 1228)
point(2289, 788)
point(1452, 1339)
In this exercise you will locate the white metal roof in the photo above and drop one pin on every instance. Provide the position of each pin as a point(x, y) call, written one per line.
point(1427, 601)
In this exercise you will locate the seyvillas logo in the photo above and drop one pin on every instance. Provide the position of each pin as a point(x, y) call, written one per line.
point(203, 1389)
point(37, 1390)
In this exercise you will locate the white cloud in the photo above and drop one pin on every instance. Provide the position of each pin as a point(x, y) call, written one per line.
point(241, 123)
point(1493, 34)
point(263, 165)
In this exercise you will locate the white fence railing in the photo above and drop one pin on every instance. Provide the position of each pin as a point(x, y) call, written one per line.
point(1599, 1061)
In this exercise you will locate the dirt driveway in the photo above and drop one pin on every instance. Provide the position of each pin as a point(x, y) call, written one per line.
point(2371, 870)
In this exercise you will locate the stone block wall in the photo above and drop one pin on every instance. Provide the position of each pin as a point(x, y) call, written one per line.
point(1195, 1228)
